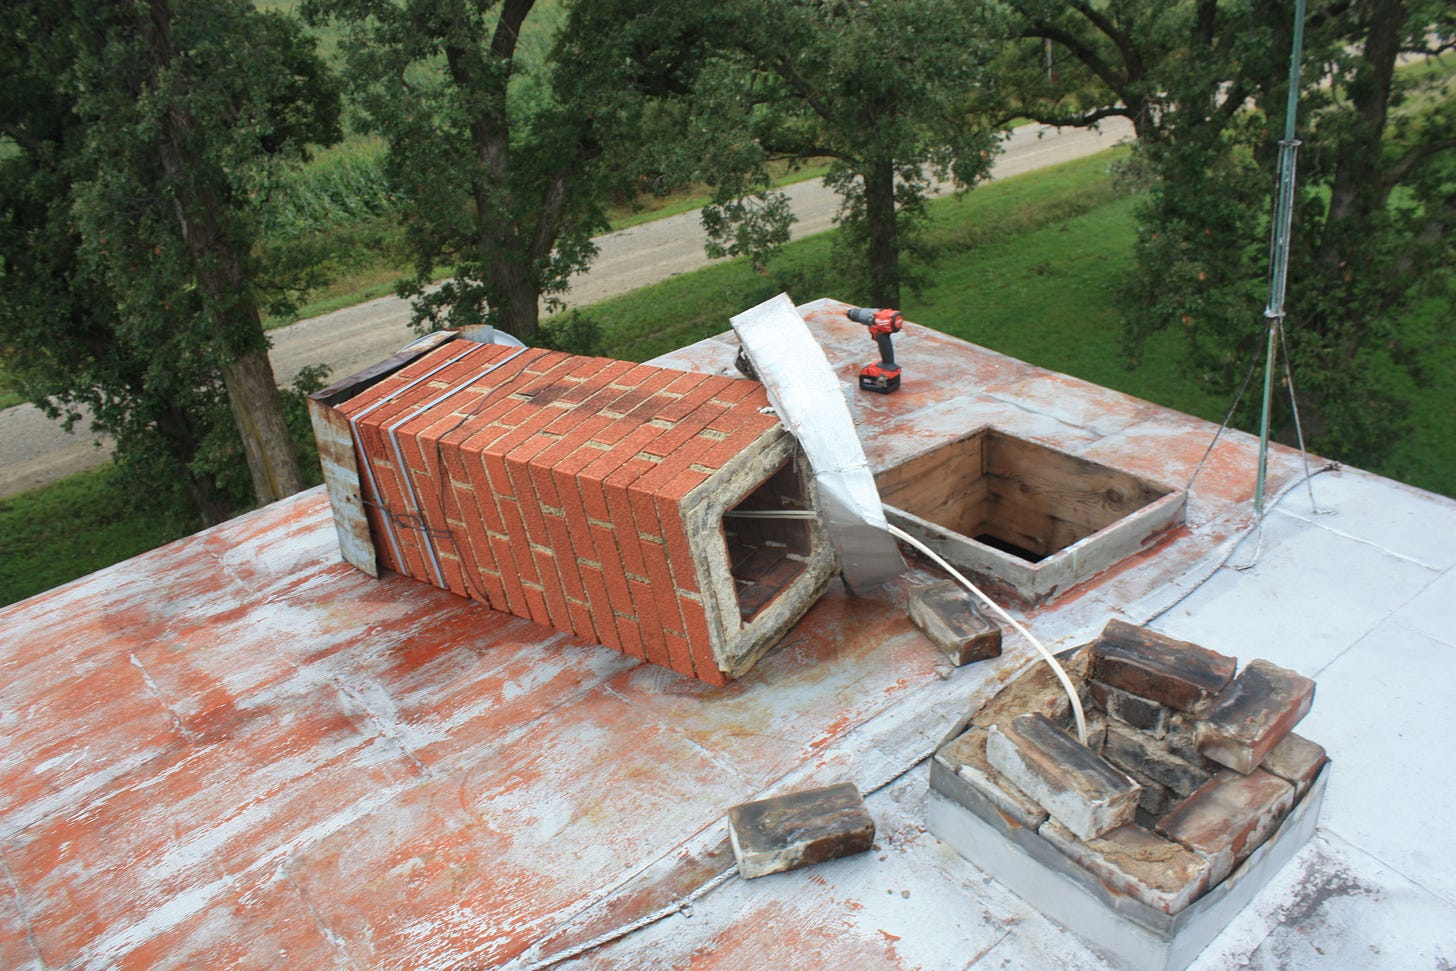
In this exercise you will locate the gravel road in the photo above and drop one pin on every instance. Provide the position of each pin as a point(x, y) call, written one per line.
point(35, 450)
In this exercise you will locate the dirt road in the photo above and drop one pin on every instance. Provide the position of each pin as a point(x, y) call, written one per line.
point(35, 450)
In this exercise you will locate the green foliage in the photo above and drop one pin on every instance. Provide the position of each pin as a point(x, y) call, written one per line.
point(894, 94)
point(501, 162)
point(574, 332)
point(342, 187)
point(1206, 86)
point(141, 148)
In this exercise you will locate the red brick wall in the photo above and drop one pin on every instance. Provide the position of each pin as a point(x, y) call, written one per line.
point(551, 486)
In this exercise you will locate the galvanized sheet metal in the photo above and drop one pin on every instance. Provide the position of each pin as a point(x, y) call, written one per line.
point(806, 394)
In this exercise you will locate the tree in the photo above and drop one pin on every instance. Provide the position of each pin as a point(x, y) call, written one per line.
point(190, 112)
point(892, 93)
point(1205, 84)
point(139, 151)
point(502, 155)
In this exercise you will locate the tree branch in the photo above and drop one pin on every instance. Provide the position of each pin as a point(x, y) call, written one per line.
point(1415, 156)
point(22, 137)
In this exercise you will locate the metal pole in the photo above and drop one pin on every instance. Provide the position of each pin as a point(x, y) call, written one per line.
point(1279, 249)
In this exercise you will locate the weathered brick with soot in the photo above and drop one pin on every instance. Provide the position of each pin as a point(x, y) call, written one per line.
point(1253, 714)
point(966, 760)
point(1134, 751)
point(948, 616)
point(1066, 778)
point(1147, 867)
point(799, 829)
point(1159, 668)
point(1229, 817)
point(1297, 761)
point(1122, 706)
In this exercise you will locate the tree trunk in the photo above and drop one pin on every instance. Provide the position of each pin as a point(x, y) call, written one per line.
point(218, 263)
point(884, 248)
point(520, 310)
point(253, 397)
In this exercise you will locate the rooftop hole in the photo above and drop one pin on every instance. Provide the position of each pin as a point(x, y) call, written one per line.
point(1034, 518)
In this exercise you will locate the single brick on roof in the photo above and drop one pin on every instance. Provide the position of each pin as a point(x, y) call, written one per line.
point(605, 499)
point(947, 615)
point(799, 829)
point(1159, 668)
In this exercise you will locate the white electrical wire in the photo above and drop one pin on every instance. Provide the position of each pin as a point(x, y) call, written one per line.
point(1047, 655)
point(900, 534)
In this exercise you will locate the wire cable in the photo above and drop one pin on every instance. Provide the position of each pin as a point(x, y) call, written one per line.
point(900, 534)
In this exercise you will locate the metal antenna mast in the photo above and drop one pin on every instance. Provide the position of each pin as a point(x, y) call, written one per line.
point(1279, 249)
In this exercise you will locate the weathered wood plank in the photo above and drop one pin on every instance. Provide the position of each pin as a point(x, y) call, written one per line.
point(341, 480)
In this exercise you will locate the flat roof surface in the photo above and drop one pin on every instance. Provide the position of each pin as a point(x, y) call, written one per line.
point(236, 750)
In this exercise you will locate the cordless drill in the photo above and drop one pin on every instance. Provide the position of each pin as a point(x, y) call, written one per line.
point(883, 376)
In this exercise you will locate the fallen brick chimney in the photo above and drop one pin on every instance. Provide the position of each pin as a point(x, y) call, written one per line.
point(590, 495)
point(1191, 792)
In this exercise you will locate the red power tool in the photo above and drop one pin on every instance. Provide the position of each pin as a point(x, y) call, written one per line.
point(883, 376)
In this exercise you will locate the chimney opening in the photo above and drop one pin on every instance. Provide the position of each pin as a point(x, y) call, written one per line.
point(1009, 509)
point(765, 555)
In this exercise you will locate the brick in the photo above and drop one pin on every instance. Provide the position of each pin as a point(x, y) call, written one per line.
point(695, 628)
point(680, 654)
point(644, 606)
point(799, 829)
point(536, 609)
point(1181, 740)
point(1068, 780)
point(1154, 798)
point(1159, 668)
point(1135, 751)
point(552, 587)
point(1140, 713)
point(1257, 710)
point(601, 611)
point(1147, 867)
point(1297, 761)
point(948, 616)
point(1229, 817)
point(679, 550)
point(630, 634)
point(966, 756)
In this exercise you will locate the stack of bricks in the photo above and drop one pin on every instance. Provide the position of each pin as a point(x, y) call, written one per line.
point(588, 495)
point(1187, 771)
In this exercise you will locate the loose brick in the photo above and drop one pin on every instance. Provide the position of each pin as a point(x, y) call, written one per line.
point(1159, 872)
point(1154, 798)
point(1140, 713)
point(1078, 788)
point(1135, 751)
point(1229, 817)
point(1159, 668)
point(966, 755)
point(1297, 761)
point(799, 829)
point(948, 616)
point(1255, 713)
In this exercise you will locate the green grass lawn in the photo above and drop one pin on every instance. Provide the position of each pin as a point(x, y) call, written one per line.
point(71, 528)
